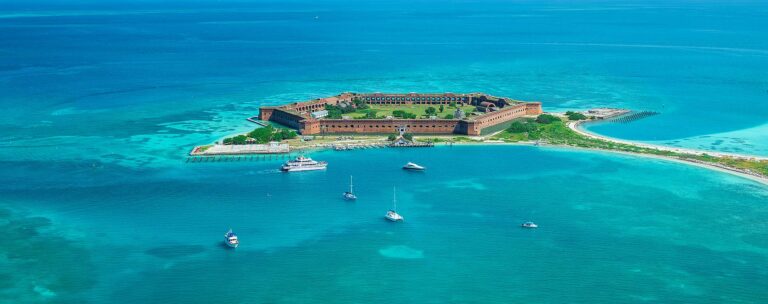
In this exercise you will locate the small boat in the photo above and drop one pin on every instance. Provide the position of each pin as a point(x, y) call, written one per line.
point(414, 167)
point(302, 163)
point(530, 225)
point(392, 214)
point(230, 238)
point(349, 195)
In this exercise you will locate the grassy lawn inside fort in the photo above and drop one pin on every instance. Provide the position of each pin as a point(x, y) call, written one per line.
point(382, 111)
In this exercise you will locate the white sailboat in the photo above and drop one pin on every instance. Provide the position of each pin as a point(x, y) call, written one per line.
point(349, 195)
point(392, 214)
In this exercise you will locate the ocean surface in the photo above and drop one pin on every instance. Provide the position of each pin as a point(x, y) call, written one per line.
point(102, 101)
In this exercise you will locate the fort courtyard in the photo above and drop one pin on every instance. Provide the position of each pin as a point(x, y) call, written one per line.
point(381, 113)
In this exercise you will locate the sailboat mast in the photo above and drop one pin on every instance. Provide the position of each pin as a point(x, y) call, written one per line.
point(394, 198)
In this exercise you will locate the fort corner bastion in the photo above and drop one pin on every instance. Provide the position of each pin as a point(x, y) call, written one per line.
point(310, 118)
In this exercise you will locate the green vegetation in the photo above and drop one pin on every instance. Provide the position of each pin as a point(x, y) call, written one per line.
point(522, 126)
point(547, 119)
point(383, 111)
point(403, 114)
point(261, 136)
point(442, 108)
point(448, 116)
point(556, 132)
point(237, 140)
point(407, 136)
point(335, 112)
point(575, 115)
point(430, 111)
point(360, 104)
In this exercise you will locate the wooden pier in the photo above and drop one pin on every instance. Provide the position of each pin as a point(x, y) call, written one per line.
point(239, 158)
point(632, 116)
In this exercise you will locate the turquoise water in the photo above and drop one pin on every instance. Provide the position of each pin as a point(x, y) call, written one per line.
point(102, 101)
point(613, 229)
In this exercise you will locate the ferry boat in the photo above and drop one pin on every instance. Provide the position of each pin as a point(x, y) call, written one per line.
point(349, 195)
point(230, 238)
point(302, 163)
point(530, 225)
point(413, 167)
point(392, 214)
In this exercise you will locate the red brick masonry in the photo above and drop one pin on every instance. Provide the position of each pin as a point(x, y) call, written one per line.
point(498, 111)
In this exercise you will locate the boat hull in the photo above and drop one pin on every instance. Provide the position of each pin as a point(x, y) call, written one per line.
point(299, 169)
point(413, 169)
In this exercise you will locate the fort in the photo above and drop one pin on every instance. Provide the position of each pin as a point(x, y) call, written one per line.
point(468, 114)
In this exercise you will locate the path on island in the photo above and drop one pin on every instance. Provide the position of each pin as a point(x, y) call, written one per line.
point(575, 126)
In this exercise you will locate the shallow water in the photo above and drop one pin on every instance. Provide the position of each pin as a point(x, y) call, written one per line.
point(102, 102)
point(613, 228)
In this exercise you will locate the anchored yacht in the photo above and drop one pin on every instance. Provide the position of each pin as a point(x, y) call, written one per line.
point(230, 238)
point(302, 163)
point(530, 225)
point(413, 166)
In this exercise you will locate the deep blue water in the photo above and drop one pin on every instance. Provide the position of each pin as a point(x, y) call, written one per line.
point(101, 101)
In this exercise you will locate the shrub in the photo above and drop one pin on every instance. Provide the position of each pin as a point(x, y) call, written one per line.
point(547, 119)
point(449, 116)
point(403, 114)
point(575, 115)
point(521, 127)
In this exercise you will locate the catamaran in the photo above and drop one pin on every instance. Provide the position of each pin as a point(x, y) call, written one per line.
point(230, 238)
point(349, 195)
point(302, 163)
point(413, 166)
point(392, 214)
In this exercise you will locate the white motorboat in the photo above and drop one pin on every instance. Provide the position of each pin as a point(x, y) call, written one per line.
point(230, 238)
point(414, 167)
point(349, 195)
point(302, 163)
point(392, 214)
point(530, 225)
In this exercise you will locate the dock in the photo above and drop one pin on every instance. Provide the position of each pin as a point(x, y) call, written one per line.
point(632, 116)
point(218, 149)
point(239, 158)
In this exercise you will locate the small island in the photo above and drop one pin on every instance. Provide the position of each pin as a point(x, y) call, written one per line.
point(361, 120)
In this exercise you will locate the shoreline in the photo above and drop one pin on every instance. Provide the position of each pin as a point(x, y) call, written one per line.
point(735, 172)
point(577, 127)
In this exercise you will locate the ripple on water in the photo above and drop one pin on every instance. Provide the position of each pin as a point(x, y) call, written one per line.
point(401, 252)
